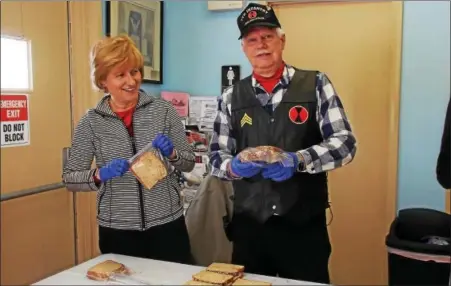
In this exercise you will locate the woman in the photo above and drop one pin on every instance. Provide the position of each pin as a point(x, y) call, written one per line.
point(132, 220)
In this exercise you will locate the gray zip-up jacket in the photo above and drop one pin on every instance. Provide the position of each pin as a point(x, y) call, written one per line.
point(207, 219)
point(122, 202)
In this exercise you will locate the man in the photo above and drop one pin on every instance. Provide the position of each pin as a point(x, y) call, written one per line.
point(279, 222)
point(444, 158)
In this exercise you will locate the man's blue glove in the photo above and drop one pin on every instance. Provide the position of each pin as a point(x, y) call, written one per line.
point(278, 172)
point(244, 170)
point(115, 168)
point(164, 144)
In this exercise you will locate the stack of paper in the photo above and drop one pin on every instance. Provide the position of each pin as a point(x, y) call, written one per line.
point(202, 112)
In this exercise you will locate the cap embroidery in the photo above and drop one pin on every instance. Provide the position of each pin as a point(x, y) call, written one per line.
point(255, 15)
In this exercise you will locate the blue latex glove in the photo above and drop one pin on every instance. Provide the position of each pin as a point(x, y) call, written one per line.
point(244, 170)
point(115, 168)
point(164, 144)
point(278, 172)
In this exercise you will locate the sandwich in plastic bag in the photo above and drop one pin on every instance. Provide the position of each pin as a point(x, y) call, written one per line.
point(263, 155)
point(149, 166)
point(110, 270)
point(104, 271)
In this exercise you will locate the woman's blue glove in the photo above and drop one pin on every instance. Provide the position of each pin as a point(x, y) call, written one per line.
point(164, 144)
point(115, 168)
point(278, 172)
point(244, 170)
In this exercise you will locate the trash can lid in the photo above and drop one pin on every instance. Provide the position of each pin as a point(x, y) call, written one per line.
point(415, 224)
point(421, 230)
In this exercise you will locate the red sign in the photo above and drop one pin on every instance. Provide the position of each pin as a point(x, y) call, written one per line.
point(15, 126)
point(14, 107)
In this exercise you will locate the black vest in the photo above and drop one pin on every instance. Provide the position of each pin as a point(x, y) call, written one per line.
point(304, 195)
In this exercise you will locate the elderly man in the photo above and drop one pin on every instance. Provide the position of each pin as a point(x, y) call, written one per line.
point(279, 225)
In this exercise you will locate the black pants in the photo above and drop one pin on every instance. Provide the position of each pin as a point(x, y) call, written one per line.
point(167, 242)
point(278, 247)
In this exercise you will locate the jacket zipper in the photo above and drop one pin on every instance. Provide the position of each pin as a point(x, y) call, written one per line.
point(140, 190)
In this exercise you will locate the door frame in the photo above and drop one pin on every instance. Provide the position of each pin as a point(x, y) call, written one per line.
point(42, 207)
point(86, 16)
point(448, 201)
point(394, 104)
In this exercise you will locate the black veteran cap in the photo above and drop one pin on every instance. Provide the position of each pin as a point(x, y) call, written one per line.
point(256, 15)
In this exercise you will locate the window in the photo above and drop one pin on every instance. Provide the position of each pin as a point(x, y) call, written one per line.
point(16, 64)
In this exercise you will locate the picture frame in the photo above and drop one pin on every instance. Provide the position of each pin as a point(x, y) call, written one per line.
point(143, 22)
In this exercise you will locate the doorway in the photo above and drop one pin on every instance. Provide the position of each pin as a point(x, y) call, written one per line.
point(37, 214)
point(358, 45)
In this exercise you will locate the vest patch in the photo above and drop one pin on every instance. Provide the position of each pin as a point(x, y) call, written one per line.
point(298, 114)
point(246, 120)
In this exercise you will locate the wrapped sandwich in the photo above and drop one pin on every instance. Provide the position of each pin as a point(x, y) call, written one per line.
point(106, 269)
point(213, 278)
point(149, 167)
point(244, 282)
point(236, 271)
point(194, 282)
point(265, 155)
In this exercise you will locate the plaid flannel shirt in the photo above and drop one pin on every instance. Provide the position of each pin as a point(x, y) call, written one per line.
point(337, 149)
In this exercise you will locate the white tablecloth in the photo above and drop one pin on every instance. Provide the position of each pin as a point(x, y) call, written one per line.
point(149, 272)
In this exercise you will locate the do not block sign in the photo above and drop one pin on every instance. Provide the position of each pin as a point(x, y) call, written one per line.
point(15, 123)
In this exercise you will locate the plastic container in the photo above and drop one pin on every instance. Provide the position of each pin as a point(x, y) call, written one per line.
point(419, 247)
point(149, 166)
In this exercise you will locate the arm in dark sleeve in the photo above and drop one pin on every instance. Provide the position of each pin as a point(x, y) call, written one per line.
point(444, 157)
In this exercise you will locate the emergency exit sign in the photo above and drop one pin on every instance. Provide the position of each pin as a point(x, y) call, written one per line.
point(15, 121)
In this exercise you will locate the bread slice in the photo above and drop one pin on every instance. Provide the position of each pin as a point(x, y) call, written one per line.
point(225, 268)
point(194, 282)
point(148, 169)
point(103, 270)
point(213, 278)
point(243, 282)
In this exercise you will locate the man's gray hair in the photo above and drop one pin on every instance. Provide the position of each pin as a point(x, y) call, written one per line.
point(279, 31)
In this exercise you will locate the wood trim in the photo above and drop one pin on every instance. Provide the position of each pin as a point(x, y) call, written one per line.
point(448, 201)
point(394, 111)
point(86, 16)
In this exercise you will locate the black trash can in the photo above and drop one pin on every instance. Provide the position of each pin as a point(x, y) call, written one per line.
point(419, 248)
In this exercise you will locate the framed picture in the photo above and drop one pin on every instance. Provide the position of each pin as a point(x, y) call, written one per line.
point(143, 22)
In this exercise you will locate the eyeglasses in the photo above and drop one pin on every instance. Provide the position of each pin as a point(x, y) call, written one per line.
point(255, 40)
